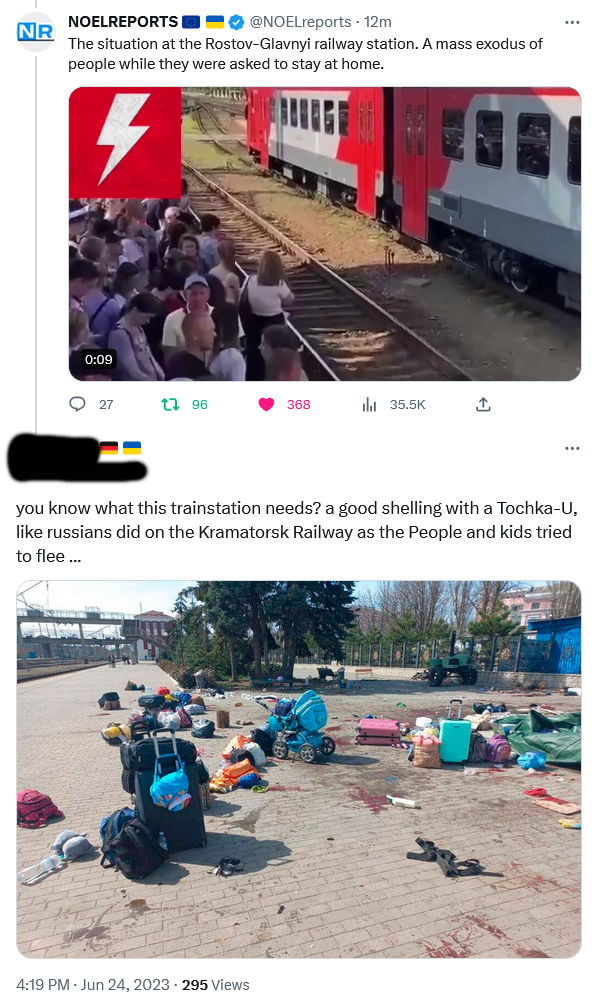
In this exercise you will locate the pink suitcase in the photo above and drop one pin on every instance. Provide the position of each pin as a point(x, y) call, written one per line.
point(376, 731)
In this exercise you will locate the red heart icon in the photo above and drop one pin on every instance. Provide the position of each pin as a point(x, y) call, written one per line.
point(266, 404)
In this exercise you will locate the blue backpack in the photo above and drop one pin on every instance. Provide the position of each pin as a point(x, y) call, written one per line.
point(110, 826)
point(183, 697)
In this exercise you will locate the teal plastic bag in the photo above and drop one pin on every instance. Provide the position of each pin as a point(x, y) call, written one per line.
point(532, 760)
point(170, 791)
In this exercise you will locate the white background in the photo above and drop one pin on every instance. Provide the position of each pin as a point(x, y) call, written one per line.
point(333, 452)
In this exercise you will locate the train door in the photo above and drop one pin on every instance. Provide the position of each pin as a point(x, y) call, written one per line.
point(265, 126)
point(414, 145)
point(366, 165)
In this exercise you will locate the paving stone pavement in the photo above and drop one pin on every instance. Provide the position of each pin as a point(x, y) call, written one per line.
point(325, 869)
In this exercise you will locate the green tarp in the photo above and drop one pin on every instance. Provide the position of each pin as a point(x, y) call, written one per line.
point(561, 746)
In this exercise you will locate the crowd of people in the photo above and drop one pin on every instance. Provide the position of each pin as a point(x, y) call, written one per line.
point(149, 281)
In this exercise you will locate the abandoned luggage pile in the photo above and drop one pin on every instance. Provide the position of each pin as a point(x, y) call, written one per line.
point(432, 743)
point(165, 779)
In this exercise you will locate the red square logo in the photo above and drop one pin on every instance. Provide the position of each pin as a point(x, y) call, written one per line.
point(125, 142)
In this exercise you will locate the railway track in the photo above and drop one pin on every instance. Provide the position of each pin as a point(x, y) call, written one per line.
point(208, 123)
point(32, 674)
point(345, 334)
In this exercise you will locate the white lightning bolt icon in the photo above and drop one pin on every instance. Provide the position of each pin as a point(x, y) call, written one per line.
point(117, 131)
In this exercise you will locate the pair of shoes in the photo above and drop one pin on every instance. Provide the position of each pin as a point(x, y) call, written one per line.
point(450, 867)
point(429, 854)
point(228, 866)
point(260, 788)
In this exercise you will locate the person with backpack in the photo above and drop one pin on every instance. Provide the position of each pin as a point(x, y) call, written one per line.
point(135, 359)
point(104, 307)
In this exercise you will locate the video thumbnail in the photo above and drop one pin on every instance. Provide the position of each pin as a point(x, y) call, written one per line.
point(290, 769)
point(332, 234)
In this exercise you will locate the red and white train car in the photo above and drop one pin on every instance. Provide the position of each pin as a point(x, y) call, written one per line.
point(492, 174)
point(328, 139)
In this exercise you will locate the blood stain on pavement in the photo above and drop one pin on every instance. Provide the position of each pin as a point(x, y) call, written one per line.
point(375, 802)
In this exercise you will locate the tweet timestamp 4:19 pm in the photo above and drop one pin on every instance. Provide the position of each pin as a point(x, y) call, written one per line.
point(109, 984)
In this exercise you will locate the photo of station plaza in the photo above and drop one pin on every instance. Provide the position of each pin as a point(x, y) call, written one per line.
point(304, 729)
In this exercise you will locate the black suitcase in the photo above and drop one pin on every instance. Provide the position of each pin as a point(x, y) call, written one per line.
point(127, 777)
point(139, 754)
point(151, 702)
point(183, 829)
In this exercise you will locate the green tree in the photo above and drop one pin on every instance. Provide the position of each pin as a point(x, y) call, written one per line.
point(405, 629)
point(237, 610)
point(232, 609)
point(217, 621)
point(495, 622)
point(317, 611)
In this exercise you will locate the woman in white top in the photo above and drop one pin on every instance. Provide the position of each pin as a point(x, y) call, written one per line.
point(265, 296)
point(226, 271)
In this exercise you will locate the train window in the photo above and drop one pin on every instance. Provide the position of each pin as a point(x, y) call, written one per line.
point(303, 115)
point(272, 109)
point(533, 145)
point(489, 130)
point(343, 118)
point(574, 151)
point(329, 117)
point(293, 111)
point(361, 122)
point(409, 129)
point(315, 115)
point(370, 122)
point(421, 130)
point(284, 111)
point(453, 133)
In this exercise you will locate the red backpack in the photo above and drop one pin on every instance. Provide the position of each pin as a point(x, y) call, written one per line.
point(498, 749)
point(34, 809)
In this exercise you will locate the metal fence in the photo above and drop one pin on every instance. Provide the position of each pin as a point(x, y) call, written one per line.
point(520, 653)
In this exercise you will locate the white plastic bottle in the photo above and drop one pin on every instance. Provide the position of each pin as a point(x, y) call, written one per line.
point(402, 801)
point(37, 871)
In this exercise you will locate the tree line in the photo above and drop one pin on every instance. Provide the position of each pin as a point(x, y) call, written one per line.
point(237, 627)
point(406, 611)
point(234, 626)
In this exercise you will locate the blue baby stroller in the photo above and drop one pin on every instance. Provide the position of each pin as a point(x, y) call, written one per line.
point(298, 730)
